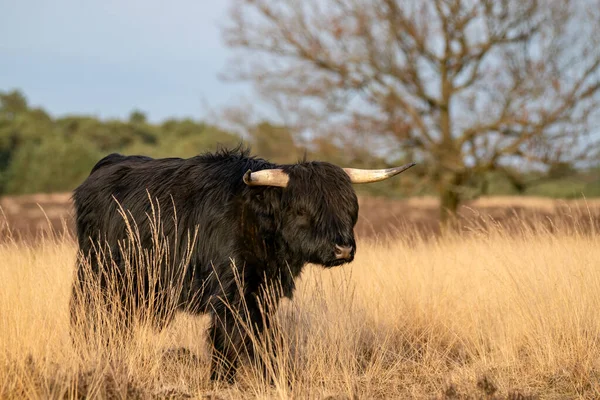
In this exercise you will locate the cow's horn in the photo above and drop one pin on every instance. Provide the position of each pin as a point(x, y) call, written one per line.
point(266, 177)
point(374, 175)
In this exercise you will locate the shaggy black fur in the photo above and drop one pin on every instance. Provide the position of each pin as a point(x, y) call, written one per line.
point(270, 233)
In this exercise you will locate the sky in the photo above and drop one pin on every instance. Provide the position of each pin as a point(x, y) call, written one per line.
point(108, 57)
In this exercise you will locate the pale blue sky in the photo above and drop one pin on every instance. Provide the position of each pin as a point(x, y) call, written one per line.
point(107, 57)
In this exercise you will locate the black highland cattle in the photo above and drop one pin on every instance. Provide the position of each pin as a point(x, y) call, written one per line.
point(255, 220)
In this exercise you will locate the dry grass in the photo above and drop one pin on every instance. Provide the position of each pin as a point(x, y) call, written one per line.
point(491, 314)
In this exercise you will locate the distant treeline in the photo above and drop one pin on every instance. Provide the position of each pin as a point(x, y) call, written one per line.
point(39, 153)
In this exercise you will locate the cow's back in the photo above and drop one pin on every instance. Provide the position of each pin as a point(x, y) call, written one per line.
point(117, 185)
point(194, 195)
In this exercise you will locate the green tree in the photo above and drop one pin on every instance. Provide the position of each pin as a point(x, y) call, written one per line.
point(137, 117)
point(19, 125)
point(51, 164)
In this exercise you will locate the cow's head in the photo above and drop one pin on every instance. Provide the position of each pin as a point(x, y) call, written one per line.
point(318, 208)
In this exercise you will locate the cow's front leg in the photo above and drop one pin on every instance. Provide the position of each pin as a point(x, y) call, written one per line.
point(234, 333)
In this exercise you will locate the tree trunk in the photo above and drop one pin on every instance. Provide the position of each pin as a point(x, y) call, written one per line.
point(449, 202)
point(450, 197)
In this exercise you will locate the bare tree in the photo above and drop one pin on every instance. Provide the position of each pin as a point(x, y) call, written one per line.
point(463, 86)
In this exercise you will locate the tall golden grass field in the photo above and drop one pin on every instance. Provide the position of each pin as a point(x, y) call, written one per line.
point(488, 312)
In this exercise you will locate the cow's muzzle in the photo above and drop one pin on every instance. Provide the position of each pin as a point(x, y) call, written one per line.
point(344, 252)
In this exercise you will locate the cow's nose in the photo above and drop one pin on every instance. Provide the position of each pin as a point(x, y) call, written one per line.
point(343, 252)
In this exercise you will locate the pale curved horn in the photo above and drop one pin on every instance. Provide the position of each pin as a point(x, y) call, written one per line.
point(266, 177)
point(374, 175)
